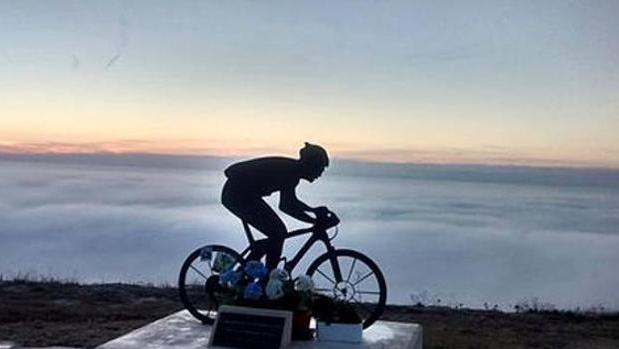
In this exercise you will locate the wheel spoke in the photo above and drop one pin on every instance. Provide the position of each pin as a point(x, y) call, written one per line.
point(198, 271)
point(368, 292)
point(326, 277)
point(323, 289)
point(363, 278)
point(352, 266)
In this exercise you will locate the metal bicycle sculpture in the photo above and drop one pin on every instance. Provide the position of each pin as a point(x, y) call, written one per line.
point(345, 274)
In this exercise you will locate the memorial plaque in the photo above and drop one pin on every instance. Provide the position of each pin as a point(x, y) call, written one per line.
point(249, 328)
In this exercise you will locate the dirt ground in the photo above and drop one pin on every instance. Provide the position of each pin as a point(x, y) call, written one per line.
point(69, 314)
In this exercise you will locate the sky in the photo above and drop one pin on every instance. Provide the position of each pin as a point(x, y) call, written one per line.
point(489, 82)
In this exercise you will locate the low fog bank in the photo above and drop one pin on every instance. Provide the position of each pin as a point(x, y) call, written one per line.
point(470, 242)
point(560, 176)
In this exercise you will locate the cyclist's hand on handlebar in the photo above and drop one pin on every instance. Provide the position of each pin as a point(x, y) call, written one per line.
point(321, 211)
point(333, 219)
point(326, 218)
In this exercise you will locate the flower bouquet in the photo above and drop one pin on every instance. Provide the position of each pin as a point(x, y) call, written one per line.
point(255, 286)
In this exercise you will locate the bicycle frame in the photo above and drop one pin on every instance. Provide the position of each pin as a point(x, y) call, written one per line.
point(339, 287)
point(317, 235)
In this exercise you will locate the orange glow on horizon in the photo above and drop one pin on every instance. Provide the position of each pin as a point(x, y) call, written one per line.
point(60, 122)
point(489, 156)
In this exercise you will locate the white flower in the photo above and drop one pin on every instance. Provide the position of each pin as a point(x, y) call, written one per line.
point(274, 289)
point(279, 274)
point(304, 283)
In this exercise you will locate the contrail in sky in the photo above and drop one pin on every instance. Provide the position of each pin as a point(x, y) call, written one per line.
point(124, 40)
point(112, 61)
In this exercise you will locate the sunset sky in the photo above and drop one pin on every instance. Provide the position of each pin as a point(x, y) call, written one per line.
point(490, 82)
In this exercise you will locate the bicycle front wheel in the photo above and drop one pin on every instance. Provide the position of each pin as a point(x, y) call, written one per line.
point(198, 281)
point(352, 277)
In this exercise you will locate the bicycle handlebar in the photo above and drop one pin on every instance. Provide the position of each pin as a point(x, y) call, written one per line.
point(324, 220)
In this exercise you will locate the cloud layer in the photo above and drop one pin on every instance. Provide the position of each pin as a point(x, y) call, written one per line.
point(470, 241)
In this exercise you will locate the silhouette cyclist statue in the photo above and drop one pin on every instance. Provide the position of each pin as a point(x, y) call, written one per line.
point(249, 181)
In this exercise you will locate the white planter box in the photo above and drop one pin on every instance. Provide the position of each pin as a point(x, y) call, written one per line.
point(339, 332)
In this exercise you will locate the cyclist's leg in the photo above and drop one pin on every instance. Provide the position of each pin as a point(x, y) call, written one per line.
point(242, 206)
point(261, 216)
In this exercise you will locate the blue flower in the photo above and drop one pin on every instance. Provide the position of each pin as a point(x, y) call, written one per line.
point(230, 277)
point(253, 291)
point(256, 270)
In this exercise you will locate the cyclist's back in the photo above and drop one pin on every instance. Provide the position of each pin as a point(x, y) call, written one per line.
point(249, 181)
point(264, 176)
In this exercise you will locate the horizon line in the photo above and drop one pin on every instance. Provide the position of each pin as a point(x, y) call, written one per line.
point(501, 164)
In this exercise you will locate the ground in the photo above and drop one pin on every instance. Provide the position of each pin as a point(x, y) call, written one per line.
point(69, 314)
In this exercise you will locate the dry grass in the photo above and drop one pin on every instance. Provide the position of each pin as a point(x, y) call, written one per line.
point(49, 312)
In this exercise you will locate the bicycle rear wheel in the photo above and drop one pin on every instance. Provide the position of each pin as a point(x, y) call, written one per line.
point(198, 280)
point(352, 277)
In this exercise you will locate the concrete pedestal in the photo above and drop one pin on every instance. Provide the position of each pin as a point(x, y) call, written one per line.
point(182, 331)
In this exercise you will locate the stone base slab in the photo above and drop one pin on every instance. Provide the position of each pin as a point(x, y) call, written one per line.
point(182, 331)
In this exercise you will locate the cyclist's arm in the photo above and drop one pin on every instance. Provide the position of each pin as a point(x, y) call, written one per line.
point(291, 205)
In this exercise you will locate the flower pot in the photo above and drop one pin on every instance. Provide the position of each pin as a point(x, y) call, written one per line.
point(337, 332)
point(301, 325)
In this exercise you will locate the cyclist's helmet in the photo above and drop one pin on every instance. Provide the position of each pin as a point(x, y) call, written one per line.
point(313, 154)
